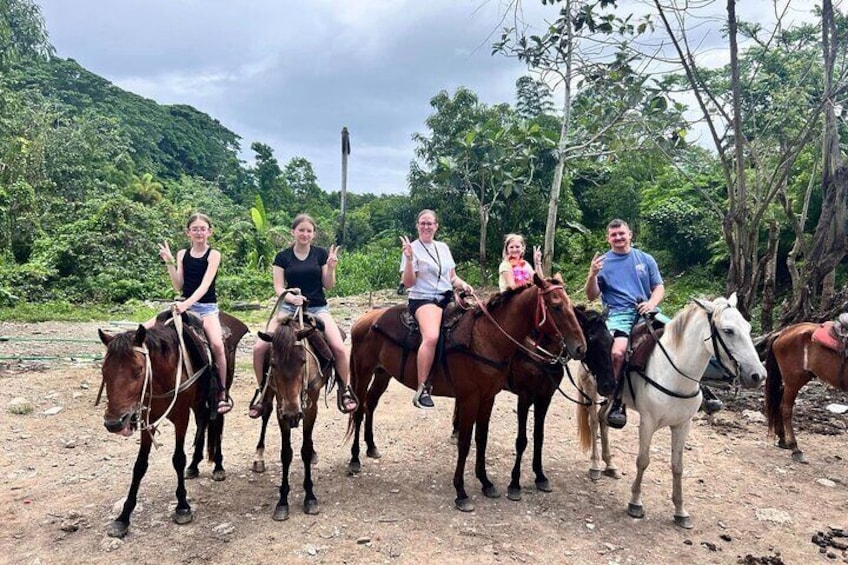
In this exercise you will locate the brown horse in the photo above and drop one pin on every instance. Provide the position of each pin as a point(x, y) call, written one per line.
point(792, 360)
point(140, 373)
point(296, 378)
point(473, 374)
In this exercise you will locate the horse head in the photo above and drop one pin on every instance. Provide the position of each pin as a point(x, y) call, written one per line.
point(555, 314)
point(730, 341)
point(287, 363)
point(598, 348)
point(124, 371)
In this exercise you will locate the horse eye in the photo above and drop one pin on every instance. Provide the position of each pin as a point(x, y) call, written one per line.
point(728, 331)
point(557, 307)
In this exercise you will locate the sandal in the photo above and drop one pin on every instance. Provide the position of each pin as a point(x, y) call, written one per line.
point(347, 400)
point(225, 405)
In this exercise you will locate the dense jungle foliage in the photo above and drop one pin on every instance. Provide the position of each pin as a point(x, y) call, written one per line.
point(92, 177)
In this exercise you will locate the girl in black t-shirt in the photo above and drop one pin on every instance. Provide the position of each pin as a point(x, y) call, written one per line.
point(311, 269)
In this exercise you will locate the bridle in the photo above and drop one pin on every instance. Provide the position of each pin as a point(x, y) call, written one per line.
point(540, 321)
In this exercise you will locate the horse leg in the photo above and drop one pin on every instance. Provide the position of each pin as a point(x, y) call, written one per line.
point(259, 455)
point(307, 452)
point(540, 413)
point(355, 465)
point(481, 437)
point(121, 524)
point(454, 437)
point(646, 434)
point(182, 513)
point(192, 471)
point(513, 491)
point(610, 470)
point(216, 434)
point(678, 442)
point(787, 406)
point(281, 512)
point(375, 392)
point(467, 410)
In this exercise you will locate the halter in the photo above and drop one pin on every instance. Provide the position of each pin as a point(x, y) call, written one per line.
point(717, 340)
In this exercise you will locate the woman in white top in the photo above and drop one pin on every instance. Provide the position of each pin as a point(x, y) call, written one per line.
point(429, 272)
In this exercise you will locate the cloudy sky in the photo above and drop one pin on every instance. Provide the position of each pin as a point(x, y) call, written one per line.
point(291, 73)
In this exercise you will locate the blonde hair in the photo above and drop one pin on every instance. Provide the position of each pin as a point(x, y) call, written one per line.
point(509, 238)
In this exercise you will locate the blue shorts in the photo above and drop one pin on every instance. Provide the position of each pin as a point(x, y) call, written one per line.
point(286, 308)
point(204, 309)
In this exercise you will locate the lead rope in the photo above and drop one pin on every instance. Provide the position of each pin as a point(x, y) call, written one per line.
point(263, 386)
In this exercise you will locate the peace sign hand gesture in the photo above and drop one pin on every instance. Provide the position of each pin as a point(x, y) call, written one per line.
point(165, 253)
point(407, 247)
point(333, 256)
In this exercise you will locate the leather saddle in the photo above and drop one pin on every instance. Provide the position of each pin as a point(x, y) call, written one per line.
point(833, 335)
point(401, 328)
point(643, 340)
point(232, 330)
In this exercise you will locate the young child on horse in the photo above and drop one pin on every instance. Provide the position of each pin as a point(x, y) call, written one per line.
point(429, 272)
point(193, 274)
point(311, 269)
point(514, 271)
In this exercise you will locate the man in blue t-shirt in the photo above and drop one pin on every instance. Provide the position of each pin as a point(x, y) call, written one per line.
point(622, 278)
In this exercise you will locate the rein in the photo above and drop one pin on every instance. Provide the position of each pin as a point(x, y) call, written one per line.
point(547, 358)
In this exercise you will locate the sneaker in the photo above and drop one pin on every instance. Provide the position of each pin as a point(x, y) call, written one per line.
point(617, 416)
point(422, 398)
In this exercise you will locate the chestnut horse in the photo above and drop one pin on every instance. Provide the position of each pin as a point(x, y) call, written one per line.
point(140, 373)
point(296, 379)
point(667, 392)
point(473, 374)
point(792, 360)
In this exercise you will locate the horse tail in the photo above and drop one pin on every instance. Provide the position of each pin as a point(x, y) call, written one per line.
point(773, 389)
point(214, 429)
point(584, 433)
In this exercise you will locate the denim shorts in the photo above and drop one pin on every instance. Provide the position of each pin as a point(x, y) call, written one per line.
point(620, 323)
point(286, 308)
point(203, 309)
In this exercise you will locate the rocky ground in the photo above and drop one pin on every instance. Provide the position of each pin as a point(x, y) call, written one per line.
point(62, 478)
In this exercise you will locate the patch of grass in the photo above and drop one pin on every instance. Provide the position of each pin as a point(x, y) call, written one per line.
point(62, 311)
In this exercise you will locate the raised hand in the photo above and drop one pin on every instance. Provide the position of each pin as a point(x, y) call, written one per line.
point(165, 252)
point(596, 265)
point(537, 255)
point(333, 256)
point(407, 247)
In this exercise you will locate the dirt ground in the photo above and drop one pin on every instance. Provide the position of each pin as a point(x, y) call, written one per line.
point(62, 478)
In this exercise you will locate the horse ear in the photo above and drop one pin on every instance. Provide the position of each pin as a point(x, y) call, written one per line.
point(305, 332)
point(140, 334)
point(538, 281)
point(705, 304)
point(265, 337)
point(558, 278)
point(732, 300)
point(104, 337)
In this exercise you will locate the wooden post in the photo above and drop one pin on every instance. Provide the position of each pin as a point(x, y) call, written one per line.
point(340, 238)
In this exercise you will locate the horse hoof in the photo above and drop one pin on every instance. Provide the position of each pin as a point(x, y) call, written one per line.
point(513, 493)
point(684, 522)
point(118, 529)
point(544, 486)
point(613, 473)
point(373, 453)
point(182, 516)
point(258, 467)
point(219, 475)
point(635, 511)
point(353, 468)
point(192, 473)
point(799, 457)
point(310, 507)
point(454, 438)
point(464, 504)
point(281, 513)
point(783, 445)
point(491, 492)
point(314, 457)
point(594, 474)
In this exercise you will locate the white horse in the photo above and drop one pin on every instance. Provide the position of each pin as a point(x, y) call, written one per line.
point(667, 393)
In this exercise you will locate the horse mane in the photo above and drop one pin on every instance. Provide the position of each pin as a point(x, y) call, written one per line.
point(284, 339)
point(674, 329)
point(158, 338)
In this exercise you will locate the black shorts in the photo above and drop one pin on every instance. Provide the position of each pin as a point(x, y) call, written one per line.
point(416, 303)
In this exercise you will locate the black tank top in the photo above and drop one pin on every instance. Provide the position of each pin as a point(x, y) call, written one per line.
point(193, 273)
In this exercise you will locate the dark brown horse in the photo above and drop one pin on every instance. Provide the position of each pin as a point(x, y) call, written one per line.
point(473, 374)
point(793, 359)
point(146, 379)
point(296, 378)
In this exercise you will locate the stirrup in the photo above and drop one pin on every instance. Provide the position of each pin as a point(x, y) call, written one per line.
point(343, 393)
